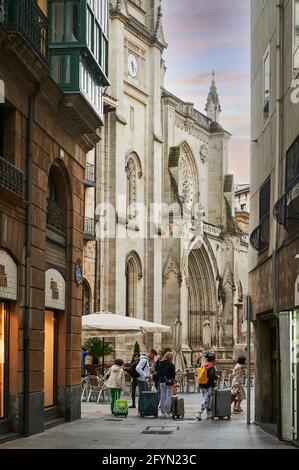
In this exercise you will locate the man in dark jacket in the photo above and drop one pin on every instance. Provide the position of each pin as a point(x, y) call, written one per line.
point(207, 389)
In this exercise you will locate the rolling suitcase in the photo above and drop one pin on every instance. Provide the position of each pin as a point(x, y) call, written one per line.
point(222, 403)
point(178, 407)
point(121, 408)
point(148, 404)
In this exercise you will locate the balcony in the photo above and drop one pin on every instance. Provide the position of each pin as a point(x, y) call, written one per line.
point(90, 180)
point(89, 229)
point(286, 210)
point(260, 237)
point(24, 17)
point(10, 177)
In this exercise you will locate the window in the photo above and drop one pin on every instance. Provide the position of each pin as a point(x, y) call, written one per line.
point(243, 207)
point(265, 199)
point(97, 31)
point(61, 69)
point(296, 35)
point(133, 276)
point(65, 21)
point(86, 298)
point(292, 163)
point(132, 119)
point(266, 85)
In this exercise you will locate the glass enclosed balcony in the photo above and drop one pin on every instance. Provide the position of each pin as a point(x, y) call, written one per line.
point(25, 18)
point(78, 47)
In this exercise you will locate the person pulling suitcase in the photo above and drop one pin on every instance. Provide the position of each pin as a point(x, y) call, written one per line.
point(206, 379)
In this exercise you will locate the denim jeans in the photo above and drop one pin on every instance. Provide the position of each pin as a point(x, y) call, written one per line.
point(166, 398)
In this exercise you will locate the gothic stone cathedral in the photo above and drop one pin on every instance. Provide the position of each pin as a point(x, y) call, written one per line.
point(157, 149)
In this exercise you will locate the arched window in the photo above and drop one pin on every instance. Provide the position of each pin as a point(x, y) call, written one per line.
point(134, 173)
point(86, 298)
point(188, 187)
point(133, 276)
point(55, 211)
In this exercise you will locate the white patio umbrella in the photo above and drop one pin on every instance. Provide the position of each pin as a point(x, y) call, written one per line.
point(107, 324)
point(111, 325)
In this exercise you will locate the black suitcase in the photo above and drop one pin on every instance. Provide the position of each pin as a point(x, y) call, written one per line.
point(178, 407)
point(222, 403)
point(148, 404)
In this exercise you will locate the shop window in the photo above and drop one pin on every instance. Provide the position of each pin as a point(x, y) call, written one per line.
point(3, 364)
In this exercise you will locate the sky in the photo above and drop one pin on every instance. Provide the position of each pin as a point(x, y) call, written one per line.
point(207, 35)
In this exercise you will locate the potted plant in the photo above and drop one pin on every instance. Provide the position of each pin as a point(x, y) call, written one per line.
point(95, 347)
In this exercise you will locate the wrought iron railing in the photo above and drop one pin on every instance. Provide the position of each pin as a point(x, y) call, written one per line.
point(286, 210)
point(90, 174)
point(260, 237)
point(55, 216)
point(10, 177)
point(89, 229)
point(27, 19)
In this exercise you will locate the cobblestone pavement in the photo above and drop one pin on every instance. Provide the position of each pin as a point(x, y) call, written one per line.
point(99, 430)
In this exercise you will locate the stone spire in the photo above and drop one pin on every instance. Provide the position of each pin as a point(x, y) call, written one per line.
point(213, 108)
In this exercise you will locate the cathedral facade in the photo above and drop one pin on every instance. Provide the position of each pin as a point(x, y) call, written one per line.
point(168, 245)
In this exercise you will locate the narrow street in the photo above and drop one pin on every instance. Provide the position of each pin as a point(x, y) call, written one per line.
point(98, 430)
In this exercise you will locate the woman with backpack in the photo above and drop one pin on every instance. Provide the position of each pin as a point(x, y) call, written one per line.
point(116, 382)
point(207, 378)
point(132, 372)
point(166, 372)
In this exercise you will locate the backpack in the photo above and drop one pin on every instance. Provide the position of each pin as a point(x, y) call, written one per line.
point(202, 376)
point(132, 370)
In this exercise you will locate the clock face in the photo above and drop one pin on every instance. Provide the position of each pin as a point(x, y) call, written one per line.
point(132, 65)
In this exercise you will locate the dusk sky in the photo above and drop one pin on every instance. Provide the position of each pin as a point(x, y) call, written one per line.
point(203, 35)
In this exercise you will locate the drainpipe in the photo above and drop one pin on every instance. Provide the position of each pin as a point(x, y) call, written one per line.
point(279, 68)
point(27, 307)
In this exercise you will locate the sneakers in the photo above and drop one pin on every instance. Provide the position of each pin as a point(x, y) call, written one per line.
point(132, 406)
point(238, 410)
point(198, 417)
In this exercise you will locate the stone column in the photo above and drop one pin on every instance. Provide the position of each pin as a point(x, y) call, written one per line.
point(184, 315)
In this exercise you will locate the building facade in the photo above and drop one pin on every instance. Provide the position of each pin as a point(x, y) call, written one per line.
point(274, 215)
point(51, 109)
point(166, 159)
point(242, 206)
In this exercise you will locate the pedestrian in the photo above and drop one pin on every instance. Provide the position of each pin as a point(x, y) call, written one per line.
point(208, 388)
point(116, 382)
point(83, 357)
point(143, 369)
point(134, 375)
point(167, 379)
point(238, 390)
point(160, 355)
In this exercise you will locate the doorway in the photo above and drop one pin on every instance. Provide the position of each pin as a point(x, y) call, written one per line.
point(51, 359)
point(3, 359)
